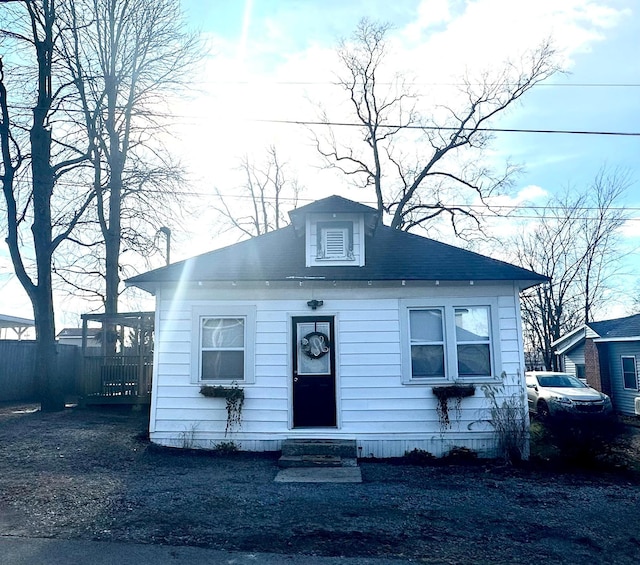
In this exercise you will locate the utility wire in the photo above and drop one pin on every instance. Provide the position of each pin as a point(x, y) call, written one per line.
point(481, 206)
point(441, 128)
point(411, 83)
point(484, 209)
point(386, 126)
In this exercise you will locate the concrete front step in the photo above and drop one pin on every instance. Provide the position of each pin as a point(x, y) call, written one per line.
point(343, 448)
point(290, 461)
point(319, 475)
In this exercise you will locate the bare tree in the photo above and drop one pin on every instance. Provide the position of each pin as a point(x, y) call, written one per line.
point(267, 192)
point(128, 58)
point(416, 189)
point(33, 166)
point(574, 241)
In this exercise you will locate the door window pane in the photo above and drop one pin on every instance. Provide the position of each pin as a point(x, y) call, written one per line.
point(310, 365)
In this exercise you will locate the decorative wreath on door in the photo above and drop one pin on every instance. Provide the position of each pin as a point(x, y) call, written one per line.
point(315, 345)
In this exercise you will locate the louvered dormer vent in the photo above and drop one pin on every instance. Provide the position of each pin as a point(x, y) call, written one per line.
point(334, 241)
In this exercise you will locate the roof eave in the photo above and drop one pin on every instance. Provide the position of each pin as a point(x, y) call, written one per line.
point(608, 339)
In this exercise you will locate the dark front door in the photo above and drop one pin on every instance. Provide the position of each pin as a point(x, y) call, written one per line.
point(314, 377)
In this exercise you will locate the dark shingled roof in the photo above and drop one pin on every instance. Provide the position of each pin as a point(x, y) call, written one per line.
point(619, 327)
point(390, 255)
point(333, 204)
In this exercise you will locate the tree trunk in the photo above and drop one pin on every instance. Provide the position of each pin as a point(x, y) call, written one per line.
point(51, 395)
point(48, 376)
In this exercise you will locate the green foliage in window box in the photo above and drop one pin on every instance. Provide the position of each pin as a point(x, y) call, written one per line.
point(234, 395)
point(444, 394)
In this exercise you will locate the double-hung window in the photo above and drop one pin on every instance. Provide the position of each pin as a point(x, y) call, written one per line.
point(447, 342)
point(473, 341)
point(427, 343)
point(629, 373)
point(222, 349)
point(223, 345)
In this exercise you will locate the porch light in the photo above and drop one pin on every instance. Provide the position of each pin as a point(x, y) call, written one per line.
point(314, 304)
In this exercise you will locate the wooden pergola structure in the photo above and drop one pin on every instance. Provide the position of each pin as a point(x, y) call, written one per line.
point(118, 358)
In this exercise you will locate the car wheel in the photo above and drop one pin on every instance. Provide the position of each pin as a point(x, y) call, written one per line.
point(543, 410)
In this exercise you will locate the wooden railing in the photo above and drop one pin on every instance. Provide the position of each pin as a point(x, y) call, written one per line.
point(117, 378)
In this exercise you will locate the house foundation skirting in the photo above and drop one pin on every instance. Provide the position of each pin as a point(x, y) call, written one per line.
point(483, 443)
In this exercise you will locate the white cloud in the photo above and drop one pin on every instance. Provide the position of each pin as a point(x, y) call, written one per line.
point(631, 228)
point(530, 194)
point(430, 13)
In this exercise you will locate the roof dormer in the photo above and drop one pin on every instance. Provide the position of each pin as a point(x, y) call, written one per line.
point(334, 231)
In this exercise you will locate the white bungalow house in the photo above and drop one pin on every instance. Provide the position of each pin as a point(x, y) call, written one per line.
point(336, 327)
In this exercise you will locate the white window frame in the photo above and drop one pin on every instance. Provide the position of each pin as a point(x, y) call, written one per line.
point(487, 341)
point(198, 315)
point(417, 342)
point(346, 230)
point(448, 307)
point(635, 368)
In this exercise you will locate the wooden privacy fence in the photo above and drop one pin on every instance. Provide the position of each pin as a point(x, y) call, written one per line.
point(18, 377)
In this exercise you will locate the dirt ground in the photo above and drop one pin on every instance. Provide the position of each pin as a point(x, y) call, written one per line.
point(92, 475)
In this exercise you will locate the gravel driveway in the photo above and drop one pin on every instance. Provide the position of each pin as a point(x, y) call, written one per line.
point(91, 475)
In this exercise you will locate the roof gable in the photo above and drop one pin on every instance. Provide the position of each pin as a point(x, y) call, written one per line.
point(605, 330)
point(333, 204)
point(336, 205)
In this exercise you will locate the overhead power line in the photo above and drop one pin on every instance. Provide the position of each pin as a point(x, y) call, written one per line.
point(412, 83)
point(451, 205)
point(441, 128)
point(484, 211)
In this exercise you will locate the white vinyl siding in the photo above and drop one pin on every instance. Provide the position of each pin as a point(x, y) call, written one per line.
point(573, 359)
point(623, 398)
point(386, 417)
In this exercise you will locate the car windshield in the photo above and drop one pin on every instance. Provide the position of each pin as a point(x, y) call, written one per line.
point(560, 381)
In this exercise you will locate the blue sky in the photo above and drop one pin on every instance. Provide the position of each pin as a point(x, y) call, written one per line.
point(275, 59)
point(269, 40)
point(605, 50)
point(264, 49)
